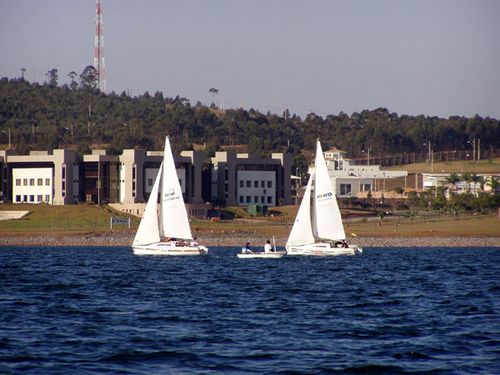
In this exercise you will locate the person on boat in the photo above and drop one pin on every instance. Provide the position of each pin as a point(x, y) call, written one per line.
point(193, 242)
point(246, 249)
point(267, 247)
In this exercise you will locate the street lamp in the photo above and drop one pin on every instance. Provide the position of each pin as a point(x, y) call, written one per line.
point(430, 158)
point(8, 133)
point(473, 144)
point(368, 155)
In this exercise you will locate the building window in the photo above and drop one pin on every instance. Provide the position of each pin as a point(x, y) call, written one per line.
point(269, 200)
point(18, 182)
point(47, 198)
point(248, 199)
point(262, 199)
point(39, 182)
point(269, 184)
point(150, 182)
point(345, 189)
point(256, 184)
point(241, 198)
point(39, 198)
point(263, 184)
point(32, 198)
point(133, 173)
point(242, 183)
point(63, 172)
point(255, 199)
point(18, 198)
point(32, 182)
point(47, 182)
point(365, 187)
point(25, 198)
point(25, 182)
point(249, 184)
point(133, 185)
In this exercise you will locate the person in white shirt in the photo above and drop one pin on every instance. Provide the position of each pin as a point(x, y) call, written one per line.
point(267, 247)
point(193, 242)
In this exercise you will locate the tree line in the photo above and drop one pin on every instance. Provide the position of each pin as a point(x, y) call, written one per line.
point(77, 115)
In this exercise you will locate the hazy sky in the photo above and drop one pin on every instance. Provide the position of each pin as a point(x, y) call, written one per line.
point(423, 56)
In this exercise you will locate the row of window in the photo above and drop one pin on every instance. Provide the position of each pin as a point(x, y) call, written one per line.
point(31, 182)
point(248, 199)
point(345, 189)
point(31, 198)
point(248, 183)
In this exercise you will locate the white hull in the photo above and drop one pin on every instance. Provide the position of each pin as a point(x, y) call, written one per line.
point(162, 248)
point(323, 249)
point(273, 255)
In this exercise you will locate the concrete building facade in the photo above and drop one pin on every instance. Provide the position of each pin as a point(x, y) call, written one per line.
point(241, 179)
point(63, 177)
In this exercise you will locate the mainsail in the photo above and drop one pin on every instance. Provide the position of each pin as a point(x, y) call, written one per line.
point(148, 231)
point(326, 214)
point(173, 214)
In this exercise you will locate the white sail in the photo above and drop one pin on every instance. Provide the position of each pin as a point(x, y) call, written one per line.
point(301, 232)
point(148, 231)
point(174, 218)
point(327, 219)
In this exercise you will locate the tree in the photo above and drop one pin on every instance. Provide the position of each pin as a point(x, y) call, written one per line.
point(493, 182)
point(88, 78)
point(73, 84)
point(52, 77)
point(467, 177)
point(452, 180)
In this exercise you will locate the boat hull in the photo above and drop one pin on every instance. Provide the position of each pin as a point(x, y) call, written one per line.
point(273, 255)
point(323, 249)
point(161, 248)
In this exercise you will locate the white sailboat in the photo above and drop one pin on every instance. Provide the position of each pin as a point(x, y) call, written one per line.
point(170, 221)
point(318, 228)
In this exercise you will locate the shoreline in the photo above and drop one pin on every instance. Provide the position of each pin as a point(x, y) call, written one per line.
point(237, 240)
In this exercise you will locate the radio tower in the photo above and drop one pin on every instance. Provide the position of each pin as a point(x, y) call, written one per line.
point(99, 49)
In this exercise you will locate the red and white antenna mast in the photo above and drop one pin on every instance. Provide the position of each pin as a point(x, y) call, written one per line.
point(99, 49)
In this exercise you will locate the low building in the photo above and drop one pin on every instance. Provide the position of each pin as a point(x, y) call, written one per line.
point(41, 177)
point(352, 180)
point(126, 180)
point(241, 179)
point(435, 180)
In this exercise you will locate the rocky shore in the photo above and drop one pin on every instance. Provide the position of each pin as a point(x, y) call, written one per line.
point(238, 239)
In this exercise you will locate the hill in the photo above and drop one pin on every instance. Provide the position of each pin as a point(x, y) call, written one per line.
point(44, 117)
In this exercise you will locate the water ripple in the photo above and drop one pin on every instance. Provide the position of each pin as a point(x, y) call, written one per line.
point(392, 311)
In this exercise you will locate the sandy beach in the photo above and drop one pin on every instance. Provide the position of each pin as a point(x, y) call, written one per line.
point(238, 239)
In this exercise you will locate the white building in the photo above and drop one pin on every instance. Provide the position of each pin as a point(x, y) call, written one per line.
point(434, 180)
point(349, 179)
point(41, 177)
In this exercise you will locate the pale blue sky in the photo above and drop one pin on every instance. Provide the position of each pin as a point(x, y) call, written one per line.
point(435, 57)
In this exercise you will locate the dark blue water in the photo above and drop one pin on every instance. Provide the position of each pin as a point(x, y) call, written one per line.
point(104, 310)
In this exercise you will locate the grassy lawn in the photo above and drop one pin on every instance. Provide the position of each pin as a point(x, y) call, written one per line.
point(44, 219)
point(440, 226)
point(59, 219)
point(482, 166)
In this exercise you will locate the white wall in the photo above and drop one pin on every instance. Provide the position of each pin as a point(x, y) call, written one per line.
point(26, 185)
point(267, 193)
